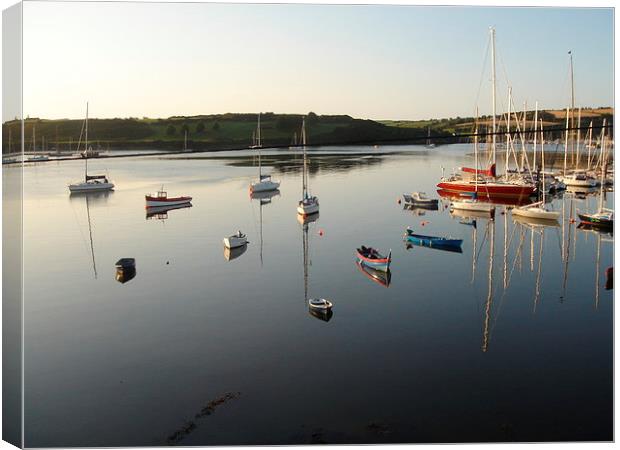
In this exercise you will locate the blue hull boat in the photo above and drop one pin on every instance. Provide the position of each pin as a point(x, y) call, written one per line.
point(440, 243)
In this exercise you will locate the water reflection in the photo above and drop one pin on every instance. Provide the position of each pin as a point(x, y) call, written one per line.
point(161, 212)
point(378, 276)
point(232, 253)
point(264, 198)
point(125, 274)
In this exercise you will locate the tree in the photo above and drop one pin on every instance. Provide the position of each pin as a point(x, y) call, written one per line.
point(171, 130)
point(216, 126)
point(200, 128)
point(312, 118)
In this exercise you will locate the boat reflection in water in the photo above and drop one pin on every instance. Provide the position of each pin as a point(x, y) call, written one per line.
point(125, 275)
point(264, 198)
point(378, 276)
point(161, 212)
point(324, 315)
point(523, 220)
point(232, 253)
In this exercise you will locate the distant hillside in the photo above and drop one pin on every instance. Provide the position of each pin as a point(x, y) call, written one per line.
point(234, 131)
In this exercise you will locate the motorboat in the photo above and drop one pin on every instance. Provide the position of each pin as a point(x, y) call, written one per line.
point(437, 242)
point(420, 199)
point(236, 240)
point(162, 199)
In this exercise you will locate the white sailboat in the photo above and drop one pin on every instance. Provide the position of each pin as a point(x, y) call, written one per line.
point(308, 204)
point(429, 144)
point(91, 183)
point(264, 183)
point(538, 210)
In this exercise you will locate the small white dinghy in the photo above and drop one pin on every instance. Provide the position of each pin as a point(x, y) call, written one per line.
point(320, 304)
point(236, 240)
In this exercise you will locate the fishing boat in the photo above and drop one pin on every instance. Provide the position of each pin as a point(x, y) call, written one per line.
point(320, 304)
point(162, 199)
point(372, 258)
point(264, 183)
point(420, 199)
point(308, 204)
point(236, 240)
point(91, 183)
point(538, 210)
point(379, 277)
point(433, 241)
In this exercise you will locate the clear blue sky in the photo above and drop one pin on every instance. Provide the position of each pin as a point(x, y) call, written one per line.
point(378, 62)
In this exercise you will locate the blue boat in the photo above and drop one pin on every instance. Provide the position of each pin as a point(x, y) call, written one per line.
point(440, 243)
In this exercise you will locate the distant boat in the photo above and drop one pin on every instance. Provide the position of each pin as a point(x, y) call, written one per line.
point(91, 183)
point(440, 243)
point(162, 199)
point(320, 304)
point(420, 199)
point(372, 258)
point(236, 240)
point(379, 277)
point(35, 157)
point(264, 183)
point(308, 204)
point(429, 144)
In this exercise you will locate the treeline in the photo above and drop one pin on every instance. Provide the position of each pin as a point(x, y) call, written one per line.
point(235, 131)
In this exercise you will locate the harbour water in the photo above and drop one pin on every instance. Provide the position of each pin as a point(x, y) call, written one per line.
point(509, 340)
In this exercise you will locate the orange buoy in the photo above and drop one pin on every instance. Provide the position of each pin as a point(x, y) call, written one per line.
point(398, 201)
point(321, 232)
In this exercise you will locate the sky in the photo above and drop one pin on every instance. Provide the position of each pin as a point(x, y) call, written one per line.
point(367, 61)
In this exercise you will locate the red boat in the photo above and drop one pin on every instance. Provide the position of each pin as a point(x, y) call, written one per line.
point(373, 259)
point(162, 199)
point(488, 189)
point(497, 200)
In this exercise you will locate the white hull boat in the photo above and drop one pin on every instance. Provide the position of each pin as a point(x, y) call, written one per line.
point(236, 240)
point(91, 186)
point(264, 186)
point(308, 206)
point(536, 212)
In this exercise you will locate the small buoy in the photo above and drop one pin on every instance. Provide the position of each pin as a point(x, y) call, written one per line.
point(167, 262)
point(572, 221)
point(321, 232)
point(398, 201)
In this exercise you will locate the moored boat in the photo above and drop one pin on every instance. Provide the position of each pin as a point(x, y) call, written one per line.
point(438, 242)
point(320, 304)
point(236, 240)
point(162, 199)
point(372, 258)
point(420, 199)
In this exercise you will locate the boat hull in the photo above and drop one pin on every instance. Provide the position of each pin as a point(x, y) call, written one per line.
point(488, 190)
point(152, 202)
point(382, 264)
point(307, 208)
point(235, 241)
point(453, 245)
point(91, 187)
point(594, 221)
point(536, 213)
point(264, 186)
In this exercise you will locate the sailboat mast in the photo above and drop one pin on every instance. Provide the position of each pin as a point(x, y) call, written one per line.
point(542, 157)
point(603, 170)
point(535, 132)
point(508, 137)
point(493, 91)
point(566, 142)
point(476, 151)
point(86, 146)
point(578, 138)
point(303, 143)
point(258, 132)
point(589, 144)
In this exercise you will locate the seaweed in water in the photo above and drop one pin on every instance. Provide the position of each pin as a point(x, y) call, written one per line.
point(188, 427)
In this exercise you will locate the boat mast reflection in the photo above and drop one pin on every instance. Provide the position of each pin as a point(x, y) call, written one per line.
point(264, 198)
point(305, 221)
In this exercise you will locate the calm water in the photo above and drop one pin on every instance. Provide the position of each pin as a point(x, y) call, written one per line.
point(504, 341)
